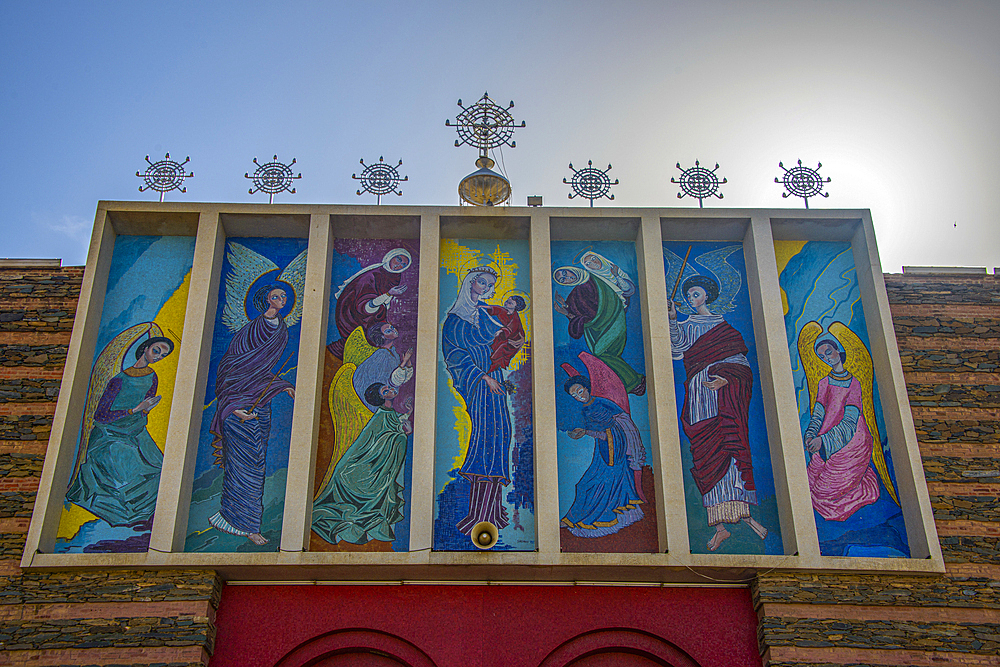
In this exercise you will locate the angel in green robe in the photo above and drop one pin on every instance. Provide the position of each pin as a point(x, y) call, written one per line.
point(117, 475)
point(363, 496)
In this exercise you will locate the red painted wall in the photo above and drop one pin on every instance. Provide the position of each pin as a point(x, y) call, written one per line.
point(464, 626)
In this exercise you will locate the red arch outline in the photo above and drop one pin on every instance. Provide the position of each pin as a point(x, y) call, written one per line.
point(622, 640)
point(351, 640)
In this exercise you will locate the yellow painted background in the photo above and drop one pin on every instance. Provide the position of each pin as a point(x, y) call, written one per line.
point(170, 319)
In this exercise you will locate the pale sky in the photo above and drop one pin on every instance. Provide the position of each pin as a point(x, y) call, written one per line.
point(899, 99)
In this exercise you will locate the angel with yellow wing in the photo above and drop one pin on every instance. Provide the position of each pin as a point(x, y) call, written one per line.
point(842, 438)
point(248, 379)
point(360, 498)
point(117, 471)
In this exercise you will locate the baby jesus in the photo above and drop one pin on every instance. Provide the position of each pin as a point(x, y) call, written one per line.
point(510, 338)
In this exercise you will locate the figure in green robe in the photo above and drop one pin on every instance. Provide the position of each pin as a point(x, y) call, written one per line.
point(363, 498)
point(119, 474)
point(596, 310)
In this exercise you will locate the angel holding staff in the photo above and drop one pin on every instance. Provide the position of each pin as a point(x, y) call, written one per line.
point(718, 385)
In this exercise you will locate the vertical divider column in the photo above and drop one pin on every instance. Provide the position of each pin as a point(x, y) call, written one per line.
point(58, 465)
point(425, 419)
point(911, 484)
point(791, 483)
point(297, 517)
point(181, 447)
point(543, 407)
point(672, 527)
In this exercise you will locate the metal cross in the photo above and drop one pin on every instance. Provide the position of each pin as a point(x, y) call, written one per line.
point(590, 183)
point(698, 182)
point(803, 182)
point(272, 178)
point(485, 125)
point(164, 176)
point(380, 178)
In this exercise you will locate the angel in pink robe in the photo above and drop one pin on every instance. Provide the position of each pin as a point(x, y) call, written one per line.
point(840, 442)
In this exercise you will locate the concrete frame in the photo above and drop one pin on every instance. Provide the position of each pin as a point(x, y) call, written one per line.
point(756, 229)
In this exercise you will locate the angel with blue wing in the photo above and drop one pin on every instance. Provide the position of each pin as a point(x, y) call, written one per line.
point(717, 389)
point(247, 380)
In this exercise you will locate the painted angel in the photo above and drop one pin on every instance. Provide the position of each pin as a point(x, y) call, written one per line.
point(717, 390)
point(609, 494)
point(361, 498)
point(841, 439)
point(117, 471)
point(246, 381)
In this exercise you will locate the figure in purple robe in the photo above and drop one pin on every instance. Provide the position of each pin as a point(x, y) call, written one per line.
point(244, 386)
point(363, 300)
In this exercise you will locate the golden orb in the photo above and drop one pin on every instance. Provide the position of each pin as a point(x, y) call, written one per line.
point(484, 187)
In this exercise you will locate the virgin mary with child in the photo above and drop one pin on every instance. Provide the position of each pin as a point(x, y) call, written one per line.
point(467, 344)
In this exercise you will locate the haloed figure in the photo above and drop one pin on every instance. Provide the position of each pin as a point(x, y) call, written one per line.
point(510, 339)
point(839, 441)
point(120, 476)
point(363, 300)
point(716, 408)
point(466, 343)
point(384, 365)
point(245, 384)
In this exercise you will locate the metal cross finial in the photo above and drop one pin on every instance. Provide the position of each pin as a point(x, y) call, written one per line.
point(803, 182)
point(590, 183)
point(164, 176)
point(272, 178)
point(698, 182)
point(485, 125)
point(379, 178)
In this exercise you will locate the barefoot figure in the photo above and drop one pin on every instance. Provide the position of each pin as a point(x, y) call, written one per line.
point(248, 379)
point(510, 339)
point(715, 413)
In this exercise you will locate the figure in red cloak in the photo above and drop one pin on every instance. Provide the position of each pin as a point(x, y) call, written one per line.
point(715, 413)
point(510, 338)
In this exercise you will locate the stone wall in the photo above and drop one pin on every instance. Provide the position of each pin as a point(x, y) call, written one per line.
point(73, 618)
point(949, 339)
point(947, 329)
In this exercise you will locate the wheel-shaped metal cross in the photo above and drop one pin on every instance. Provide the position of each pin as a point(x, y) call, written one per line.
point(379, 178)
point(485, 125)
point(590, 183)
point(698, 182)
point(164, 176)
point(803, 182)
point(272, 178)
